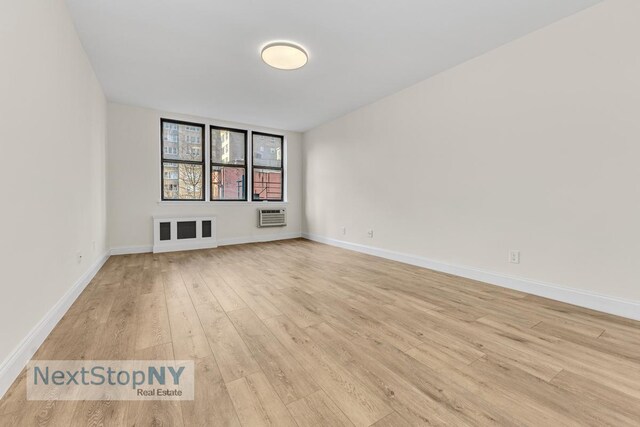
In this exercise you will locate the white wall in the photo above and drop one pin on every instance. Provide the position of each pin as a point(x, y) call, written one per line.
point(52, 138)
point(534, 146)
point(134, 183)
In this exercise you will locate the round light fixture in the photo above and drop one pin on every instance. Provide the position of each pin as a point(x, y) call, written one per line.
point(284, 55)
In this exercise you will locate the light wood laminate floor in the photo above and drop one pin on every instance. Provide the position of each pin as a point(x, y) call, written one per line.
point(298, 333)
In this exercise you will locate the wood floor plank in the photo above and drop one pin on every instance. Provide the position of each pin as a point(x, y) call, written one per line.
point(607, 369)
point(298, 333)
point(224, 293)
point(392, 420)
point(151, 278)
point(417, 393)
point(301, 314)
point(11, 419)
point(118, 338)
point(15, 396)
point(500, 400)
point(344, 313)
point(37, 413)
point(99, 413)
point(154, 412)
point(195, 285)
point(192, 347)
point(187, 334)
point(284, 372)
point(362, 405)
point(317, 409)
point(579, 313)
point(257, 403)
point(438, 358)
point(257, 302)
point(212, 404)
point(628, 351)
point(600, 395)
point(511, 345)
point(234, 358)
point(548, 396)
point(153, 327)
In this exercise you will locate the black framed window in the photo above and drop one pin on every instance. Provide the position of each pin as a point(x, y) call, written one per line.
point(228, 164)
point(182, 164)
point(267, 168)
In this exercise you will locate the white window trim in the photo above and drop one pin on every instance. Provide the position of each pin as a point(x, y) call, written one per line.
point(218, 202)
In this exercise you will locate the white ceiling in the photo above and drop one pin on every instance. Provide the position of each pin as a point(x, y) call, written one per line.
point(202, 57)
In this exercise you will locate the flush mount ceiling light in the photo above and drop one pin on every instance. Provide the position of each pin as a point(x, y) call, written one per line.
point(284, 55)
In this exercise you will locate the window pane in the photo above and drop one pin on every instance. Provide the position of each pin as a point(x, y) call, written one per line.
point(267, 184)
point(181, 142)
point(267, 151)
point(227, 183)
point(182, 181)
point(227, 147)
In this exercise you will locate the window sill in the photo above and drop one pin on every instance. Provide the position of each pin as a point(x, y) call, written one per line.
point(217, 203)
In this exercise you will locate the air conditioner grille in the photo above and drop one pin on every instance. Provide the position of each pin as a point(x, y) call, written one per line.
point(272, 217)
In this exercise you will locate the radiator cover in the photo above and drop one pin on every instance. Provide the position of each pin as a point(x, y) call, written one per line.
point(183, 233)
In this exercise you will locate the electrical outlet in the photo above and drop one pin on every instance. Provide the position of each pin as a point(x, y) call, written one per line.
point(514, 257)
point(79, 256)
point(344, 231)
point(370, 233)
point(94, 245)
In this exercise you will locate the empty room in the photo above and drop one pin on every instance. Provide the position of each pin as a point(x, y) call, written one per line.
point(320, 213)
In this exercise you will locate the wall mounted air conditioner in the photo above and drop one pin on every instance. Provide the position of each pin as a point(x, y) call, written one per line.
point(171, 233)
point(272, 217)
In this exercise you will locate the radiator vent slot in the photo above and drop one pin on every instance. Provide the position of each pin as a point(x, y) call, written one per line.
point(272, 217)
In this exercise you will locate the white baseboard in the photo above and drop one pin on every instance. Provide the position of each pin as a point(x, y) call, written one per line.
point(259, 238)
point(617, 306)
point(126, 250)
point(185, 246)
point(13, 365)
